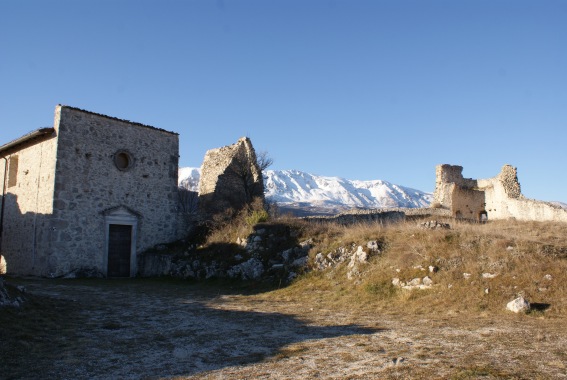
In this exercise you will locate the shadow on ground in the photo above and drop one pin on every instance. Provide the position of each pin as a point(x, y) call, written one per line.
point(143, 329)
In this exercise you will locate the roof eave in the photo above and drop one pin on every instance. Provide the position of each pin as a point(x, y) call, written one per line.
point(25, 138)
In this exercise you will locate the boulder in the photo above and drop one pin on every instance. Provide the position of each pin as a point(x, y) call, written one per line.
point(252, 269)
point(519, 305)
point(435, 225)
point(298, 263)
point(373, 246)
point(358, 257)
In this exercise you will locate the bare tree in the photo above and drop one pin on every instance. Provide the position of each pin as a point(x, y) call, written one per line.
point(264, 160)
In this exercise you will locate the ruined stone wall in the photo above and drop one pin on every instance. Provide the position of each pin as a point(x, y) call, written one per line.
point(467, 203)
point(108, 164)
point(457, 194)
point(383, 216)
point(230, 178)
point(499, 197)
point(28, 204)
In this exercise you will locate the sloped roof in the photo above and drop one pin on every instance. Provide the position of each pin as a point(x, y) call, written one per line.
point(27, 137)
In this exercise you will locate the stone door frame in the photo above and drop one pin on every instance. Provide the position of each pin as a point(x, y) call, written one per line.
point(123, 216)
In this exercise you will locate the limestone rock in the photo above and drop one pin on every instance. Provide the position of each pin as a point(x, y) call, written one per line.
point(298, 263)
point(320, 261)
point(435, 225)
point(358, 257)
point(306, 245)
point(519, 305)
point(373, 246)
point(287, 255)
point(252, 269)
point(415, 282)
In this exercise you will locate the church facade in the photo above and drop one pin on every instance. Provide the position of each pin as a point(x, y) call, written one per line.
point(88, 194)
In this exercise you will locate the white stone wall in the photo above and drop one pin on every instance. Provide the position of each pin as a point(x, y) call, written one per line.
point(500, 197)
point(28, 206)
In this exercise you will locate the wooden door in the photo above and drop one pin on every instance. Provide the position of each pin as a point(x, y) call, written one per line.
point(119, 250)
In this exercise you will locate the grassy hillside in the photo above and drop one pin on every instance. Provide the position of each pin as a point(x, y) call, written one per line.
point(475, 268)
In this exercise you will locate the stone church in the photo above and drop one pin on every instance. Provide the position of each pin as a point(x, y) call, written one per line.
point(88, 194)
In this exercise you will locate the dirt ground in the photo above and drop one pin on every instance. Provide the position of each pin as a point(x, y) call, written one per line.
point(153, 329)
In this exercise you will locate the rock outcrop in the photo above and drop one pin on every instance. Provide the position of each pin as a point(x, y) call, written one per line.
point(271, 253)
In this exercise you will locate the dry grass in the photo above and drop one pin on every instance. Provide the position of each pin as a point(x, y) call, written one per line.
point(521, 256)
point(230, 225)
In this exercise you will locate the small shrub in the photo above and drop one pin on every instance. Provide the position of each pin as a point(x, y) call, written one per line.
point(382, 290)
point(256, 216)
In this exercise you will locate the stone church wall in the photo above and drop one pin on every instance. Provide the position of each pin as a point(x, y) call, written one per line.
point(28, 203)
point(67, 186)
point(89, 183)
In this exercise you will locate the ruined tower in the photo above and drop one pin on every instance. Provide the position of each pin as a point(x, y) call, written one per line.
point(230, 178)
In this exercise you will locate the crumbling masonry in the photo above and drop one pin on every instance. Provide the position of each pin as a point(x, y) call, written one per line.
point(499, 197)
point(230, 178)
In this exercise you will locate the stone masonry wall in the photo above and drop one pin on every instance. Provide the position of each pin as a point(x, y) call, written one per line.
point(384, 216)
point(88, 184)
point(28, 204)
point(230, 178)
point(498, 197)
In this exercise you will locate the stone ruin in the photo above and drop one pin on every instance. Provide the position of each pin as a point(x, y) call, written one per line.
point(230, 178)
point(498, 197)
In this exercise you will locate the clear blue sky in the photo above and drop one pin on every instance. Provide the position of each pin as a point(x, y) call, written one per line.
point(355, 89)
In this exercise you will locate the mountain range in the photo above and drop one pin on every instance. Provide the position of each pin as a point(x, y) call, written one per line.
point(302, 193)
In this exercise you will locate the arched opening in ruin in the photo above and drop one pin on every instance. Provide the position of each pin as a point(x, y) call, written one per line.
point(483, 217)
point(458, 214)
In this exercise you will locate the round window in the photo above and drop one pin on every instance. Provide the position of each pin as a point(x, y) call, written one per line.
point(123, 160)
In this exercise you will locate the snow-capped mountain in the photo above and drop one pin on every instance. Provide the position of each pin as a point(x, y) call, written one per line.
point(290, 186)
point(188, 178)
point(296, 190)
